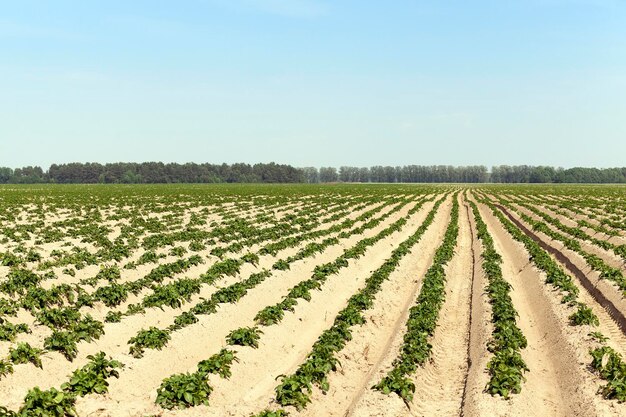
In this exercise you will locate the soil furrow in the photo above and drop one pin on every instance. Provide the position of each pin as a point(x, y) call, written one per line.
point(281, 347)
point(553, 384)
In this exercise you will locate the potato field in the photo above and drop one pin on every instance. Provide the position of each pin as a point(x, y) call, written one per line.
point(312, 300)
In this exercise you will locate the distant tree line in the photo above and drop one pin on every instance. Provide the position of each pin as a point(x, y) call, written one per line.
point(407, 173)
point(546, 174)
point(152, 173)
point(158, 172)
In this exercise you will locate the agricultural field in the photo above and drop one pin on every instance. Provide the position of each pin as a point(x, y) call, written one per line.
point(312, 300)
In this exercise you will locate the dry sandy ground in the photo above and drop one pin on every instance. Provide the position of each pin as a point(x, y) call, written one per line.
point(440, 382)
point(135, 391)
point(451, 383)
point(55, 370)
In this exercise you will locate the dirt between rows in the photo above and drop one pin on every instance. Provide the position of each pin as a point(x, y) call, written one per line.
point(608, 256)
point(597, 294)
point(56, 368)
point(281, 348)
point(451, 383)
point(558, 383)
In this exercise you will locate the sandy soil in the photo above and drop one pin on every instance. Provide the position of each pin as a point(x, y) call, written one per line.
point(572, 222)
point(135, 391)
point(374, 342)
point(451, 383)
point(552, 385)
point(114, 341)
point(435, 395)
point(284, 347)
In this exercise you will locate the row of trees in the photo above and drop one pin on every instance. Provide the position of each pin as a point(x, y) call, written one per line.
point(407, 173)
point(152, 173)
point(158, 172)
point(546, 174)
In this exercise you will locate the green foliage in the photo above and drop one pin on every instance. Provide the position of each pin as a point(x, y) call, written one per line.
point(69, 271)
point(506, 367)
point(172, 295)
point(18, 281)
point(113, 317)
point(152, 338)
point(251, 258)
point(25, 353)
point(6, 367)
point(422, 317)
point(281, 265)
point(92, 378)
point(58, 318)
point(271, 413)
point(244, 336)
point(185, 319)
point(218, 364)
point(599, 337)
point(270, 315)
point(7, 308)
point(50, 403)
point(64, 342)
point(9, 331)
point(295, 390)
point(109, 273)
point(88, 329)
point(396, 382)
point(178, 251)
point(610, 366)
point(112, 295)
point(183, 391)
point(584, 315)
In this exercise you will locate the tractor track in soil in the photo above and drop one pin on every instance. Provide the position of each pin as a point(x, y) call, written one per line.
point(595, 292)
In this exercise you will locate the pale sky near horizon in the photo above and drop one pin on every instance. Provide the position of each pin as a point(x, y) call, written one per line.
point(314, 83)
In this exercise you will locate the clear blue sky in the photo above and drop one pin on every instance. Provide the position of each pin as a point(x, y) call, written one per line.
point(312, 82)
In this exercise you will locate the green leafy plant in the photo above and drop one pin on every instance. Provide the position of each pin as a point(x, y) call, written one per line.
point(92, 378)
point(25, 353)
point(9, 331)
point(270, 315)
point(294, 390)
point(218, 364)
point(6, 367)
point(183, 320)
point(396, 382)
point(610, 366)
point(506, 368)
point(245, 336)
point(584, 315)
point(152, 338)
point(50, 403)
point(64, 342)
point(183, 391)
point(113, 317)
point(599, 337)
point(271, 413)
point(112, 295)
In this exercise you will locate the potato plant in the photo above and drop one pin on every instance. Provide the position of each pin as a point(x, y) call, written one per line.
point(25, 353)
point(245, 336)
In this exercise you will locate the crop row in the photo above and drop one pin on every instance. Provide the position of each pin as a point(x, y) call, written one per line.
point(199, 391)
point(230, 294)
point(506, 367)
point(423, 317)
point(595, 262)
point(90, 379)
point(619, 250)
point(295, 389)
